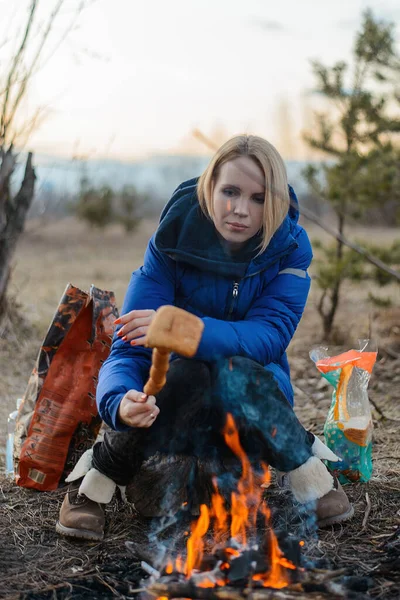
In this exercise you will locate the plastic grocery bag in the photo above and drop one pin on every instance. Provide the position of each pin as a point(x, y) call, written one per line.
point(58, 419)
point(348, 427)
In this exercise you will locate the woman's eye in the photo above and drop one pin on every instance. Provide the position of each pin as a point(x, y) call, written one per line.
point(229, 192)
point(259, 199)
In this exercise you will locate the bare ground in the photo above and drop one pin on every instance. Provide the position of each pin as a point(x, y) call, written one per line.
point(36, 563)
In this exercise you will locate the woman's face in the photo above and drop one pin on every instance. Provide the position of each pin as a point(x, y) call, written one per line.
point(238, 201)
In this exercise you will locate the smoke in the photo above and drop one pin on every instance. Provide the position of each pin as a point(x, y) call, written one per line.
point(269, 432)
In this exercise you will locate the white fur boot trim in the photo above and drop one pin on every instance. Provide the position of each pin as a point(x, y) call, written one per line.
point(83, 465)
point(122, 489)
point(97, 487)
point(310, 481)
point(322, 451)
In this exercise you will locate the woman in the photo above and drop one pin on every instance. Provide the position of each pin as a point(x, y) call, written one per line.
point(229, 250)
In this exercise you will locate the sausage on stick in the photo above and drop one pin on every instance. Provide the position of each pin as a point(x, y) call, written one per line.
point(172, 330)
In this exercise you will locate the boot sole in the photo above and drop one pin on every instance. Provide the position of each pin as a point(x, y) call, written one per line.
point(80, 534)
point(337, 519)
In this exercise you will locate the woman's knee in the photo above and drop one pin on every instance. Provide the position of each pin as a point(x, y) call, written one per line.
point(241, 380)
point(233, 380)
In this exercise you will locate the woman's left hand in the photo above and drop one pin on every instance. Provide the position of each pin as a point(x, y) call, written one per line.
point(135, 326)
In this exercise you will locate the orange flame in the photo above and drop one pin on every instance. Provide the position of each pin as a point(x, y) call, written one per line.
point(219, 513)
point(265, 478)
point(246, 504)
point(232, 552)
point(207, 583)
point(195, 543)
point(276, 577)
point(179, 566)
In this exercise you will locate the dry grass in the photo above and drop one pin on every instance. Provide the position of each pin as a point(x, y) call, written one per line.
point(35, 563)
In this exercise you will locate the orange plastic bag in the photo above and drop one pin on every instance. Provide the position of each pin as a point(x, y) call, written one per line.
point(58, 419)
point(348, 426)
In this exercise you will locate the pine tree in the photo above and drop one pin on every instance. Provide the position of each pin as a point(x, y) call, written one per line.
point(359, 135)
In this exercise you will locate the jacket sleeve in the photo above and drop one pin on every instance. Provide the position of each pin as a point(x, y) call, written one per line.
point(127, 367)
point(270, 323)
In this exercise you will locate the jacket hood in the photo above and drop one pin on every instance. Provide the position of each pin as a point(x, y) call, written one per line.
point(187, 235)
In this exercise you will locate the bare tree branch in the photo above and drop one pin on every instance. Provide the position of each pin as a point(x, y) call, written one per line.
point(308, 214)
point(7, 166)
point(25, 131)
point(17, 58)
point(15, 214)
point(22, 68)
point(82, 6)
point(29, 73)
point(67, 31)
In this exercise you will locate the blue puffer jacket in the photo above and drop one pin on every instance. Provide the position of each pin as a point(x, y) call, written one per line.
point(250, 306)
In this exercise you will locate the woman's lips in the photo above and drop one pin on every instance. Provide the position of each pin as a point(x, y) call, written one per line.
point(237, 226)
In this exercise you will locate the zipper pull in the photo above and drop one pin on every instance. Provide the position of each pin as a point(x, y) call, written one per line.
point(235, 292)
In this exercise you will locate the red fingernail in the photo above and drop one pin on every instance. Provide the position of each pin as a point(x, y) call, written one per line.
point(120, 332)
point(117, 321)
point(124, 338)
point(133, 343)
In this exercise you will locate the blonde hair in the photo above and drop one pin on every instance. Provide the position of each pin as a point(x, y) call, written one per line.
point(276, 202)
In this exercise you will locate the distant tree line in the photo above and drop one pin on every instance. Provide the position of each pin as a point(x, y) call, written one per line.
point(102, 206)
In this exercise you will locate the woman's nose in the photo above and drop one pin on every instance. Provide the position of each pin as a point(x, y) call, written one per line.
point(241, 207)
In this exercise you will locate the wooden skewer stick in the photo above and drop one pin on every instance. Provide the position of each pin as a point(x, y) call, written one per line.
point(158, 372)
point(172, 330)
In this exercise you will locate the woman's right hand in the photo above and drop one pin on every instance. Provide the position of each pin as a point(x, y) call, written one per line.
point(137, 409)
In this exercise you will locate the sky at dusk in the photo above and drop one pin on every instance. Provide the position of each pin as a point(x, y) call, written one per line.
point(135, 78)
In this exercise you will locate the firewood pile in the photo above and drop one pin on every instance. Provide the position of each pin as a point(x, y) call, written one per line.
point(232, 574)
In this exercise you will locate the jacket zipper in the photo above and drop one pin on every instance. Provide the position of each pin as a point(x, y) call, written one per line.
point(235, 290)
point(235, 293)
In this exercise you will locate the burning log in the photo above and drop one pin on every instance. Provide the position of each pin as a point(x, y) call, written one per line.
point(245, 561)
point(315, 585)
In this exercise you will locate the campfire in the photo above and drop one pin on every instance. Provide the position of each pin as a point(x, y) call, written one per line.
point(236, 554)
point(242, 556)
point(232, 550)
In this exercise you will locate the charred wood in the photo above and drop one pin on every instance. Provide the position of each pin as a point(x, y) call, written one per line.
point(317, 585)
